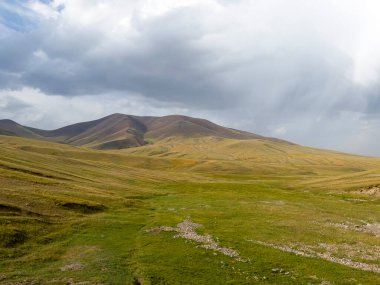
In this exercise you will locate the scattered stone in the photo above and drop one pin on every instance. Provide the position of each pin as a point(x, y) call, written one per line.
point(276, 270)
point(310, 251)
point(186, 230)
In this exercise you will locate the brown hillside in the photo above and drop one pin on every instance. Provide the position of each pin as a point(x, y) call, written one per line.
point(123, 131)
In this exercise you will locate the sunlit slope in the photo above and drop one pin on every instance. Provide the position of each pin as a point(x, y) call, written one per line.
point(254, 156)
point(78, 164)
point(43, 179)
point(195, 156)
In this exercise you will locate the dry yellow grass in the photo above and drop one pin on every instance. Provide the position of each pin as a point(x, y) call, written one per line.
point(70, 214)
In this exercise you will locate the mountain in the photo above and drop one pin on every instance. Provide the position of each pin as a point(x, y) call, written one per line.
point(9, 127)
point(120, 131)
point(239, 206)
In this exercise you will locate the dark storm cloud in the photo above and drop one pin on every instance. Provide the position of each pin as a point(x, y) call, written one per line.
point(16, 52)
point(162, 63)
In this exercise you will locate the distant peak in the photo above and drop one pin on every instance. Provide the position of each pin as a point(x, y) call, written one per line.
point(117, 115)
point(8, 121)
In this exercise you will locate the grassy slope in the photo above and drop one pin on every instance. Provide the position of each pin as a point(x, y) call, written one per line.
point(255, 156)
point(62, 205)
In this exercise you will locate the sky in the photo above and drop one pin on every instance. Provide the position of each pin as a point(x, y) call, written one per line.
point(304, 71)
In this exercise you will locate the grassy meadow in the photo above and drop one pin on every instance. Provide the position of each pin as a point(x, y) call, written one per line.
point(294, 215)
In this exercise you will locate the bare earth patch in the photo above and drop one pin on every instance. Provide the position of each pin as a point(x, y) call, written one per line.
point(373, 229)
point(365, 227)
point(79, 252)
point(369, 191)
point(328, 252)
point(22, 283)
point(186, 230)
point(72, 267)
point(274, 202)
point(71, 281)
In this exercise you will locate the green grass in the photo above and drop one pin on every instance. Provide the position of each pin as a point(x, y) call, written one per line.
point(64, 207)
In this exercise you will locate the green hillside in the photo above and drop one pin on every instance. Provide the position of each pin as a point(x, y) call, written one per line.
point(199, 210)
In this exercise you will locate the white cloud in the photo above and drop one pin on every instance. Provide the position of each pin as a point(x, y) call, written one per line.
point(43, 10)
point(280, 131)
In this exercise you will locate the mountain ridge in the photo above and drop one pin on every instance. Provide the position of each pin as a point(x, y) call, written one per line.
point(118, 131)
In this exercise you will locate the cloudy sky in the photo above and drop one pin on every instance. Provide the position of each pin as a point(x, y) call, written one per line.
point(305, 71)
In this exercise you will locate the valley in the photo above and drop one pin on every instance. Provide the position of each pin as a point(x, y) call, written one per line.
point(195, 209)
